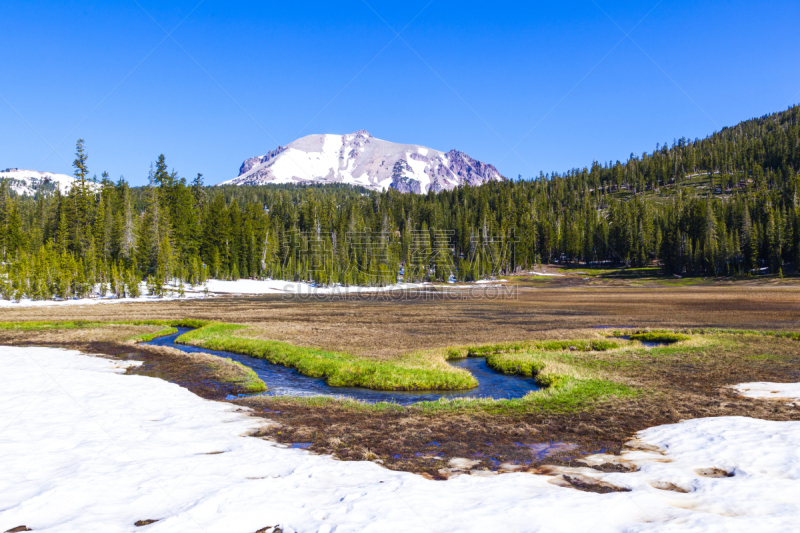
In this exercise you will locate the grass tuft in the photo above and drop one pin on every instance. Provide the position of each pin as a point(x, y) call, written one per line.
point(660, 336)
point(595, 345)
point(244, 378)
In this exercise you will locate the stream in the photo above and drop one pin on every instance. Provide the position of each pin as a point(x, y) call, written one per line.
point(283, 381)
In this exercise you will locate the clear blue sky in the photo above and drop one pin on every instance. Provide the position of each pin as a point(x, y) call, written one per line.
point(526, 86)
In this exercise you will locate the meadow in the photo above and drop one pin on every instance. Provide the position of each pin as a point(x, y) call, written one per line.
point(597, 389)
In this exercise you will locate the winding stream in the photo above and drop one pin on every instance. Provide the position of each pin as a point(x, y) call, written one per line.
point(282, 381)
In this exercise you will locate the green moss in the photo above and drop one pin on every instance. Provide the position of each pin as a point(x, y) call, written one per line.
point(338, 369)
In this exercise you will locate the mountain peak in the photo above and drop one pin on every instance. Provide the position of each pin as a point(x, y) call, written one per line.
point(360, 159)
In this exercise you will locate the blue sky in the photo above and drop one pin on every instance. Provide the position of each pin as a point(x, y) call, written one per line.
point(526, 86)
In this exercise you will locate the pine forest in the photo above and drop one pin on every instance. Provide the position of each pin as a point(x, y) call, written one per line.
point(726, 205)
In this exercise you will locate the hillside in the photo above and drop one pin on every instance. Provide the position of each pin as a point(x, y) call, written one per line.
point(361, 159)
point(28, 182)
point(760, 153)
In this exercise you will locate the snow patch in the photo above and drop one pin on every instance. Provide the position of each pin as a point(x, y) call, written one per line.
point(276, 286)
point(418, 173)
point(171, 294)
point(765, 389)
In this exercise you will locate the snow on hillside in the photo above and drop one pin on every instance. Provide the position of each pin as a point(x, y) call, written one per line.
point(27, 182)
point(85, 448)
point(361, 159)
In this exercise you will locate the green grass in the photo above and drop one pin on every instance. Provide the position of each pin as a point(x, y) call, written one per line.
point(659, 336)
point(568, 395)
point(147, 337)
point(769, 357)
point(338, 369)
point(41, 325)
point(342, 403)
point(564, 396)
point(597, 345)
point(795, 336)
point(524, 364)
point(249, 382)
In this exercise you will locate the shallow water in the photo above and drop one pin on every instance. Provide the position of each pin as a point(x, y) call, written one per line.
point(282, 381)
point(647, 344)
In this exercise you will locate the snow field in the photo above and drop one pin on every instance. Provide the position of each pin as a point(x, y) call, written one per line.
point(191, 292)
point(241, 287)
point(83, 448)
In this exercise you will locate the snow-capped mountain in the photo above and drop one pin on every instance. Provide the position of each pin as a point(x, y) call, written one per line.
point(361, 159)
point(27, 182)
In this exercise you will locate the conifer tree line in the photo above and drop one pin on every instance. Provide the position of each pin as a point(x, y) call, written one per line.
point(721, 206)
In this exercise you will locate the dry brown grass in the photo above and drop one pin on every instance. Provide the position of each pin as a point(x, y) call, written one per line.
point(384, 328)
point(118, 333)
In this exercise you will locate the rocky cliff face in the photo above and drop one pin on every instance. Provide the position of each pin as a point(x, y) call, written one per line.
point(361, 159)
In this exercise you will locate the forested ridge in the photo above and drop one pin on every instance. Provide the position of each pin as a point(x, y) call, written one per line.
point(723, 205)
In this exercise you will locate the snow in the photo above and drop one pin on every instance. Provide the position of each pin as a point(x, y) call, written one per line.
point(302, 165)
point(276, 286)
point(385, 184)
point(418, 173)
point(29, 180)
point(327, 158)
point(331, 143)
point(240, 287)
point(191, 292)
point(84, 448)
point(765, 389)
point(363, 180)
